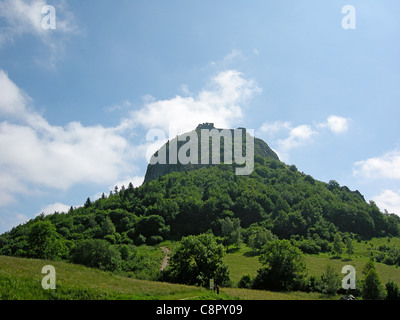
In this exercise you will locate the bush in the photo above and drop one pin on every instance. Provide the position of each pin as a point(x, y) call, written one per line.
point(329, 282)
point(96, 253)
point(392, 290)
point(245, 282)
point(153, 240)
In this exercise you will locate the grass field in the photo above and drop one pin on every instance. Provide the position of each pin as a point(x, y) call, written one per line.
point(20, 279)
point(244, 262)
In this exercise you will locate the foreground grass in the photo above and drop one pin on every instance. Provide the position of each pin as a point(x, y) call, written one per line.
point(20, 279)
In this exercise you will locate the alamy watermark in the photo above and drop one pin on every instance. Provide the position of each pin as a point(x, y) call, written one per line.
point(49, 21)
point(49, 281)
point(194, 147)
point(349, 20)
point(349, 280)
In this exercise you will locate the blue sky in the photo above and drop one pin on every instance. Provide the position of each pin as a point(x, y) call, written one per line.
point(77, 102)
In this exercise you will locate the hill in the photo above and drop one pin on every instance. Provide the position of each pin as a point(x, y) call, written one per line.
point(200, 141)
point(274, 201)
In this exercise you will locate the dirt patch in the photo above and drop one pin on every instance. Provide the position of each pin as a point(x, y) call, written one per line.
point(164, 263)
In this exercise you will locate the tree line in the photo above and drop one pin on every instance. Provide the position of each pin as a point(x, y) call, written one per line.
point(276, 201)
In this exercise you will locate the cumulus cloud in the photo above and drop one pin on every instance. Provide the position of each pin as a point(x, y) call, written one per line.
point(336, 124)
point(271, 129)
point(220, 102)
point(36, 153)
point(300, 135)
point(54, 207)
point(383, 167)
point(12, 99)
point(388, 200)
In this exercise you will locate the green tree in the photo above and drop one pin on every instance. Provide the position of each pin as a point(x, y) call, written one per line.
point(88, 203)
point(44, 241)
point(245, 282)
point(368, 266)
point(107, 227)
point(337, 245)
point(197, 259)
point(283, 268)
point(231, 231)
point(349, 246)
point(392, 290)
point(372, 288)
point(259, 237)
point(96, 253)
point(329, 282)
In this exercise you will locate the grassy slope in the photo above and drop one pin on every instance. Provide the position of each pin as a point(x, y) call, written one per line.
point(20, 279)
point(242, 262)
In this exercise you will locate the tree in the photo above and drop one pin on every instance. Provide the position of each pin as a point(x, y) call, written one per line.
point(245, 282)
point(283, 266)
point(231, 231)
point(44, 241)
point(197, 259)
point(349, 246)
point(330, 281)
point(337, 245)
point(372, 288)
point(392, 290)
point(88, 203)
point(152, 225)
point(259, 237)
point(96, 253)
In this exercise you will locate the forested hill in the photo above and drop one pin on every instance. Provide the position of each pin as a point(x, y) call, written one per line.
point(275, 198)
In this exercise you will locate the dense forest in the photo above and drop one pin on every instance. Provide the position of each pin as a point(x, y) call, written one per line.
point(276, 198)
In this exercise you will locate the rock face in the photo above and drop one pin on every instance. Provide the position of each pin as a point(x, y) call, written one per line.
point(166, 159)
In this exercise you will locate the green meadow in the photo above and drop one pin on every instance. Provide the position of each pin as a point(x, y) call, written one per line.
point(20, 278)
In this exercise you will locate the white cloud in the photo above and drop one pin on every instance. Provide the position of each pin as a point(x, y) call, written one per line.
point(300, 135)
point(221, 102)
point(389, 200)
point(12, 99)
point(55, 207)
point(296, 136)
point(36, 153)
point(272, 129)
point(22, 17)
point(384, 167)
point(336, 124)
point(136, 181)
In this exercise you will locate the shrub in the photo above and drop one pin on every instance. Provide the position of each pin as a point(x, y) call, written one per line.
point(96, 253)
point(392, 290)
point(245, 282)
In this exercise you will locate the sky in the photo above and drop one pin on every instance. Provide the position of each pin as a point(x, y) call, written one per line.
point(84, 85)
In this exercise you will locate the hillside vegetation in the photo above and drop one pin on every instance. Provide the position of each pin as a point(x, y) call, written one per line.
point(276, 207)
point(20, 279)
